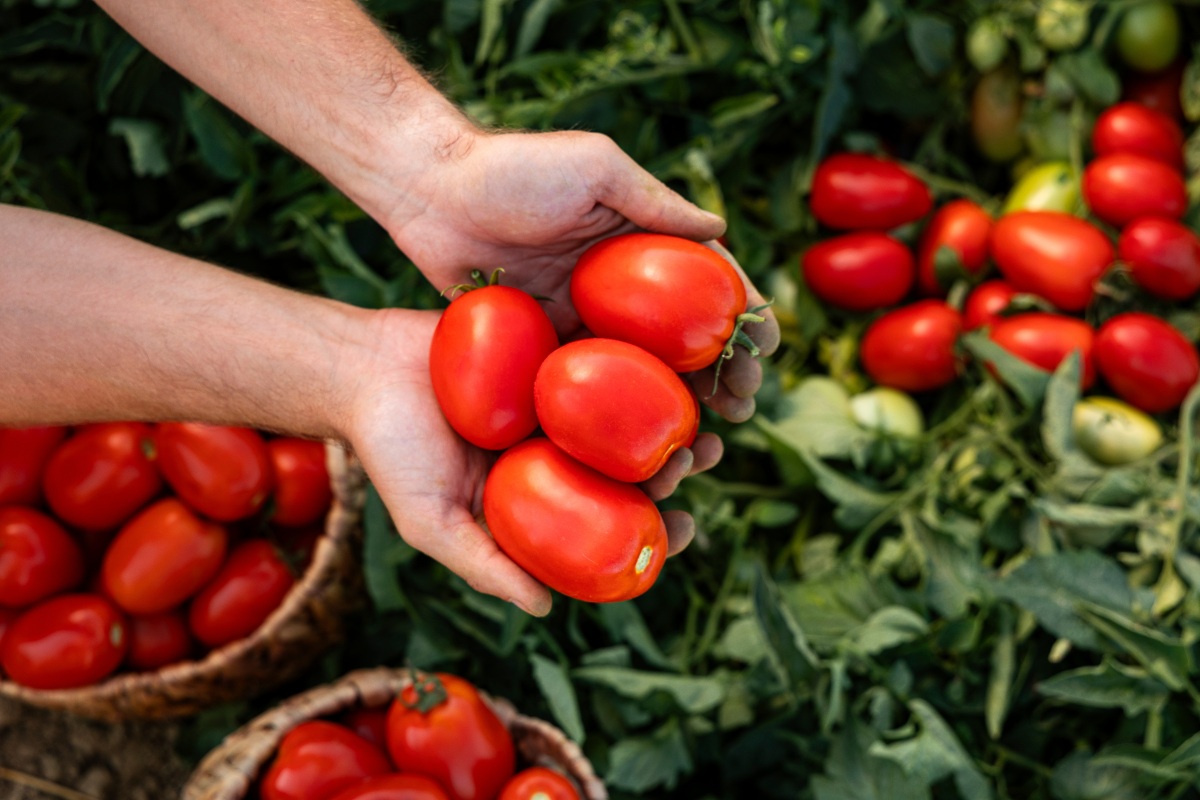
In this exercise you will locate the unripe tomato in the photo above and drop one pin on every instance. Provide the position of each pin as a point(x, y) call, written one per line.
point(985, 303)
point(539, 783)
point(853, 191)
point(1052, 186)
point(986, 44)
point(859, 271)
point(1159, 90)
point(912, 348)
point(156, 640)
point(1147, 362)
point(37, 557)
point(1163, 257)
point(963, 227)
point(1052, 255)
point(64, 642)
point(369, 723)
point(23, 456)
point(394, 787)
point(1134, 128)
point(318, 759)
point(887, 411)
point(1044, 340)
point(996, 115)
point(1112, 432)
point(1062, 24)
point(617, 541)
point(626, 433)
point(1148, 36)
point(302, 493)
point(672, 297)
point(1121, 187)
point(102, 475)
point(223, 472)
point(162, 557)
point(452, 735)
point(250, 585)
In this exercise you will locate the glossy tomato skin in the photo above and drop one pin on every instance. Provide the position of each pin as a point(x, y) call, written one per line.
point(67, 641)
point(860, 271)
point(614, 407)
point(912, 348)
point(670, 296)
point(162, 557)
point(395, 787)
point(37, 557)
point(1163, 257)
point(156, 640)
point(485, 353)
point(460, 742)
point(1044, 340)
point(539, 783)
point(23, 456)
point(250, 585)
point(1121, 187)
point(318, 759)
point(1053, 255)
point(369, 723)
point(853, 191)
point(985, 303)
point(577, 531)
point(221, 471)
point(962, 226)
point(101, 476)
point(1147, 361)
point(302, 494)
point(1134, 128)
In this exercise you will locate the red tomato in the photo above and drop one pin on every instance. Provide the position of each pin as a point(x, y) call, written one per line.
point(1163, 257)
point(852, 191)
point(575, 530)
point(395, 787)
point(369, 723)
point(37, 557)
point(302, 492)
point(318, 759)
point(1134, 128)
point(963, 227)
point(23, 455)
point(64, 642)
point(671, 297)
point(459, 741)
point(99, 477)
point(157, 640)
point(985, 303)
point(162, 557)
point(614, 407)
point(912, 348)
point(1121, 187)
point(220, 471)
point(485, 353)
point(1158, 90)
point(1147, 362)
point(1051, 254)
point(251, 584)
point(859, 271)
point(1044, 340)
point(539, 783)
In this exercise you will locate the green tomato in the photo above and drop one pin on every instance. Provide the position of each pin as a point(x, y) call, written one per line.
point(1113, 432)
point(1047, 187)
point(996, 115)
point(1063, 24)
point(888, 411)
point(986, 44)
point(1148, 36)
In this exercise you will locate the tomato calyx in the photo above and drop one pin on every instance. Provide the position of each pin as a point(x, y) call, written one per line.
point(428, 690)
point(739, 336)
point(478, 282)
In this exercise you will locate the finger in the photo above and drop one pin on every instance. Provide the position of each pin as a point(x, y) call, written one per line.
point(765, 334)
point(742, 374)
point(662, 484)
point(723, 401)
point(681, 529)
point(706, 452)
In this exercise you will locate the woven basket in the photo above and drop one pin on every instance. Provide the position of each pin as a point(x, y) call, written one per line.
point(229, 772)
point(306, 623)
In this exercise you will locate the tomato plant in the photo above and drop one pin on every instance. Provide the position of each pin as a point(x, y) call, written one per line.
point(394, 787)
point(223, 472)
point(302, 493)
point(1112, 432)
point(984, 304)
point(854, 191)
point(1121, 187)
point(67, 641)
point(23, 456)
point(1134, 128)
point(859, 271)
point(156, 640)
point(912, 348)
point(1053, 255)
point(1163, 257)
point(317, 759)
point(539, 783)
point(37, 557)
point(101, 476)
point(1148, 35)
point(1147, 361)
point(962, 227)
point(1044, 340)
point(251, 584)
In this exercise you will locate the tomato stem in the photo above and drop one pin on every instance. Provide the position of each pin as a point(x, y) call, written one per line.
point(429, 691)
point(478, 282)
point(739, 336)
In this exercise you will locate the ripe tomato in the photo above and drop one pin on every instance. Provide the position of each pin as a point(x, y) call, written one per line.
point(1148, 35)
point(394, 787)
point(1163, 257)
point(1121, 187)
point(617, 542)
point(985, 303)
point(1053, 255)
point(853, 191)
point(37, 557)
point(963, 227)
point(1044, 340)
point(615, 407)
point(250, 585)
point(99, 477)
point(912, 348)
point(64, 642)
point(162, 557)
point(23, 455)
point(539, 783)
point(302, 493)
point(859, 271)
point(318, 759)
point(1159, 90)
point(485, 353)
point(442, 727)
point(671, 297)
point(1053, 186)
point(369, 723)
point(1112, 432)
point(1147, 362)
point(1133, 128)
point(996, 107)
point(221, 471)
point(156, 640)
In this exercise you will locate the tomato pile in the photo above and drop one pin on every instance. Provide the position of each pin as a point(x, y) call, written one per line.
point(438, 740)
point(136, 545)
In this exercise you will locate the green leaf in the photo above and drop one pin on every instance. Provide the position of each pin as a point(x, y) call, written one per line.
point(1077, 777)
point(118, 58)
point(556, 687)
point(955, 578)
point(1000, 679)
point(837, 99)
point(145, 141)
point(887, 628)
point(1062, 392)
point(932, 40)
point(221, 147)
point(1091, 76)
point(533, 24)
point(788, 648)
point(1165, 657)
point(734, 111)
point(625, 624)
point(829, 607)
point(458, 15)
point(1110, 685)
point(640, 763)
point(1189, 93)
point(50, 33)
point(816, 417)
point(1027, 381)
point(490, 22)
point(857, 506)
point(936, 753)
point(693, 695)
point(209, 210)
point(854, 772)
point(383, 550)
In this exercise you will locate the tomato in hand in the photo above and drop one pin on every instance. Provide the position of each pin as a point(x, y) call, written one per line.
point(442, 727)
point(23, 456)
point(1053, 255)
point(1121, 187)
point(672, 297)
point(67, 641)
point(156, 640)
point(1134, 128)
point(318, 759)
point(302, 494)
point(1147, 361)
point(37, 557)
point(984, 304)
point(101, 476)
point(854, 191)
point(250, 585)
point(859, 271)
point(1163, 257)
point(221, 471)
point(912, 348)
point(1044, 340)
point(539, 783)
point(961, 226)
point(395, 787)
point(369, 723)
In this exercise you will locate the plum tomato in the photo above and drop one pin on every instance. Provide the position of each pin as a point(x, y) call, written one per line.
point(539, 783)
point(1121, 187)
point(854, 191)
point(984, 304)
point(1163, 257)
point(156, 640)
point(65, 642)
point(302, 494)
point(250, 585)
point(369, 723)
point(672, 297)
point(1053, 186)
point(860, 271)
point(912, 348)
point(394, 787)
point(485, 353)
point(1053, 255)
point(1146, 361)
point(1134, 128)
point(318, 759)
point(37, 557)
point(579, 532)
point(1043, 340)
point(223, 472)
point(443, 728)
point(23, 456)
point(101, 476)
point(1112, 432)
point(1148, 35)
point(996, 113)
point(961, 226)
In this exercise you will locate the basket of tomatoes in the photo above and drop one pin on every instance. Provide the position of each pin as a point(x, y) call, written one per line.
point(386, 733)
point(151, 571)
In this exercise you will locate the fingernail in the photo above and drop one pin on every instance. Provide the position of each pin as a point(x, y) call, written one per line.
point(540, 609)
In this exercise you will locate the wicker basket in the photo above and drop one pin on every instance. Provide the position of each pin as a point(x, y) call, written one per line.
point(304, 625)
point(229, 772)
